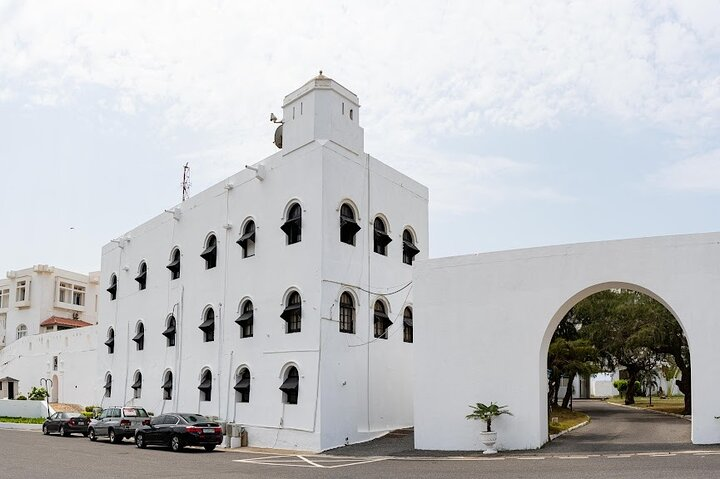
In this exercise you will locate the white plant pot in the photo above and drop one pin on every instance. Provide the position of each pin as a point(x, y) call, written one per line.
point(489, 439)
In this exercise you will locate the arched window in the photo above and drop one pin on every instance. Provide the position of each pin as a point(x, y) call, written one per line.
point(205, 386)
point(247, 240)
point(174, 265)
point(380, 237)
point(137, 385)
point(242, 385)
point(108, 385)
point(110, 341)
point(141, 278)
point(348, 225)
point(293, 224)
point(409, 248)
point(209, 254)
point(292, 314)
point(167, 386)
point(21, 331)
point(170, 331)
point(381, 320)
point(408, 325)
point(290, 386)
point(347, 313)
point(208, 325)
point(246, 319)
point(139, 337)
point(112, 289)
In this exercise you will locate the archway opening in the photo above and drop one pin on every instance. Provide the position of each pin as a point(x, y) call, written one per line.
point(617, 344)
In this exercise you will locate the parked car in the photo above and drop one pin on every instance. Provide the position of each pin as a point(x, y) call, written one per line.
point(177, 430)
point(118, 423)
point(66, 423)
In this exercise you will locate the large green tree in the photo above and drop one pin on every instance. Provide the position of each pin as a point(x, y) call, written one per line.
point(632, 330)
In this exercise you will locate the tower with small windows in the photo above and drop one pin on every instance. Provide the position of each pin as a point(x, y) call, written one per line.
point(280, 300)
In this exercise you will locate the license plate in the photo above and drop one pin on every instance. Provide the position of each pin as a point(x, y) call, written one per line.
point(208, 430)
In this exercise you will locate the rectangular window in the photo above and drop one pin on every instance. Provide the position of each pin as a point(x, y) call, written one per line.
point(55, 363)
point(4, 298)
point(22, 291)
point(70, 293)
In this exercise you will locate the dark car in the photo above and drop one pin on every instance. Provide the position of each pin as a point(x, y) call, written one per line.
point(177, 430)
point(66, 423)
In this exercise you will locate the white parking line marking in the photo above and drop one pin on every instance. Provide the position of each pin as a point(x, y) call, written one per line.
point(310, 462)
point(619, 456)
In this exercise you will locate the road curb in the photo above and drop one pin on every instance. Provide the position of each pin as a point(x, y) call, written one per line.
point(20, 426)
point(680, 416)
point(576, 426)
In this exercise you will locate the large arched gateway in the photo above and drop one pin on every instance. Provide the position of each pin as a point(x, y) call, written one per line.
point(484, 324)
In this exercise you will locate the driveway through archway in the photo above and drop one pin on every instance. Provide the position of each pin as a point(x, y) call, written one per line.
point(484, 323)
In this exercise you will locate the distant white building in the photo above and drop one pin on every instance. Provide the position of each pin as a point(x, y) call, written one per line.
point(47, 317)
point(281, 297)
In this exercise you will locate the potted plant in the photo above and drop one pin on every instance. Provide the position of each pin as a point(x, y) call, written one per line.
point(487, 413)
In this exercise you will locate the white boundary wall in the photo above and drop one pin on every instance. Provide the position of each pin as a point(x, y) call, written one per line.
point(483, 324)
point(14, 408)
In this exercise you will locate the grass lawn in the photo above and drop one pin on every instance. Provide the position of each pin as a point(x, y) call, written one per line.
point(565, 419)
point(674, 404)
point(23, 420)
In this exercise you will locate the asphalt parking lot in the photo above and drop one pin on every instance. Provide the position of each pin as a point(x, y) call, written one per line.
point(29, 454)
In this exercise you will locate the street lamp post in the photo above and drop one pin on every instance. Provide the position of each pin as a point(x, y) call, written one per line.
point(47, 384)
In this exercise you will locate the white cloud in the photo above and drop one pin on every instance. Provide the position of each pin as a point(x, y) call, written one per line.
point(697, 173)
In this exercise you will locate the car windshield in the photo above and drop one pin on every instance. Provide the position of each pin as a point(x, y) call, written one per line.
point(134, 412)
point(193, 418)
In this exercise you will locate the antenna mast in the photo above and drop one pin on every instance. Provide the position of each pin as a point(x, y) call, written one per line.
point(186, 182)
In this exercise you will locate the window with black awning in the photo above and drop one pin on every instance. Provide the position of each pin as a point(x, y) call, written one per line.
point(208, 326)
point(139, 337)
point(291, 386)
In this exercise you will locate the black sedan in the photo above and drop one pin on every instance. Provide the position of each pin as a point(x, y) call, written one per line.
point(66, 423)
point(178, 430)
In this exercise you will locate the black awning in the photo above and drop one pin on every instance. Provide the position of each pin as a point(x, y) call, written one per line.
point(209, 323)
point(139, 336)
point(245, 238)
point(112, 289)
point(245, 318)
point(290, 384)
point(289, 310)
point(205, 384)
point(174, 265)
point(138, 383)
point(168, 383)
point(381, 316)
point(290, 224)
point(141, 277)
point(209, 252)
point(108, 383)
point(170, 331)
point(110, 341)
point(243, 384)
point(349, 224)
point(383, 239)
point(408, 321)
point(410, 249)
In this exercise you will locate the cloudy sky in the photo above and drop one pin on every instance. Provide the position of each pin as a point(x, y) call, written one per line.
point(532, 123)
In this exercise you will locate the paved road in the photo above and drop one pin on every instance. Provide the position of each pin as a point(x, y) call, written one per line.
point(615, 428)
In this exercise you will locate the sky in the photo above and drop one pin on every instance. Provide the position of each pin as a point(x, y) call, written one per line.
point(531, 122)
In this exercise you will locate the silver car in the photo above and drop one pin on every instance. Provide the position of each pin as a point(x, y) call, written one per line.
point(118, 423)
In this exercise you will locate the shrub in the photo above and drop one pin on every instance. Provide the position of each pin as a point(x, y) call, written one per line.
point(90, 408)
point(37, 394)
point(622, 386)
point(88, 414)
point(21, 398)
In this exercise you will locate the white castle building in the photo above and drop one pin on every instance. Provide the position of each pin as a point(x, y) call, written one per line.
point(281, 297)
point(47, 318)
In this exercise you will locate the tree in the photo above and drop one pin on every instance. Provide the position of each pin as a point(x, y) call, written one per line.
point(632, 330)
point(37, 394)
point(569, 359)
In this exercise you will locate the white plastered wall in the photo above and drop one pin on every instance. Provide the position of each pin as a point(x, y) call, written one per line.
point(484, 323)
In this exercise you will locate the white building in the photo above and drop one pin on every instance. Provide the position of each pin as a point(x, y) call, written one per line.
point(260, 300)
point(46, 318)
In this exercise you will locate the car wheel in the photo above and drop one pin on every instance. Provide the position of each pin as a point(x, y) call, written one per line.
point(91, 433)
point(45, 430)
point(114, 438)
point(64, 432)
point(176, 443)
point(140, 441)
point(210, 447)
